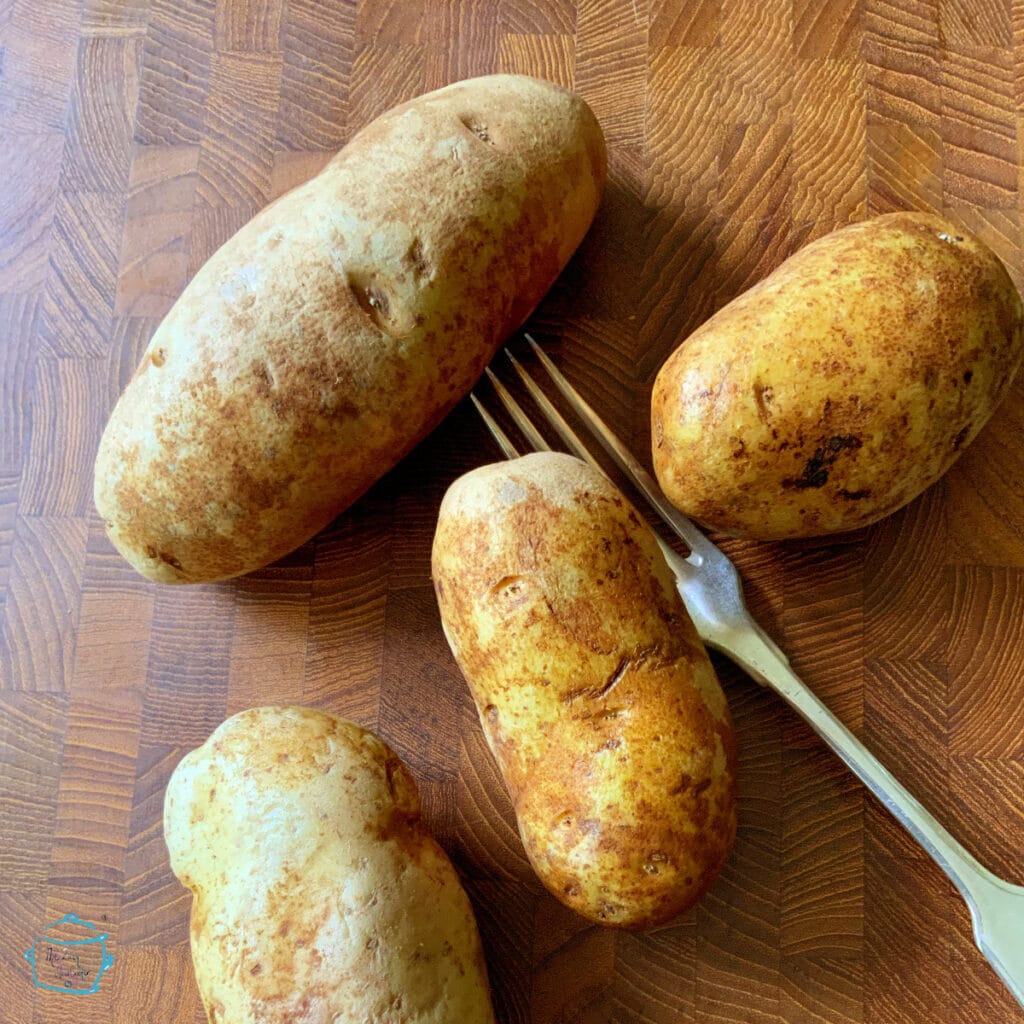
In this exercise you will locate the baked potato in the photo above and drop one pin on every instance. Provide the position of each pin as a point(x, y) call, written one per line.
point(841, 386)
point(335, 330)
point(594, 691)
point(318, 895)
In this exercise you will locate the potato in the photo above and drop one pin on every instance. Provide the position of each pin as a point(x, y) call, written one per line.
point(318, 896)
point(595, 693)
point(337, 328)
point(841, 386)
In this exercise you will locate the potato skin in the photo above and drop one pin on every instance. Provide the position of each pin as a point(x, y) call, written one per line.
point(840, 387)
point(317, 893)
point(595, 693)
point(337, 328)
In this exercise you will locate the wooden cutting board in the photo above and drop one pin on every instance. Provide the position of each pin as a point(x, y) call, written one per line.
point(137, 135)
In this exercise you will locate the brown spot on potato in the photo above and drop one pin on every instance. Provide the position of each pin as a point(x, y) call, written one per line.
point(264, 377)
point(374, 297)
point(417, 260)
point(764, 395)
point(816, 471)
point(689, 785)
point(168, 559)
point(615, 678)
point(477, 127)
point(510, 588)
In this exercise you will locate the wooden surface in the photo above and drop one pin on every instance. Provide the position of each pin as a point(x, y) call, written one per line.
point(137, 135)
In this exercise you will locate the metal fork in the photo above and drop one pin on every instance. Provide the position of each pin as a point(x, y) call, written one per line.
point(712, 591)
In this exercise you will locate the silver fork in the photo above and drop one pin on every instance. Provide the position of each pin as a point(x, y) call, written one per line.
point(712, 591)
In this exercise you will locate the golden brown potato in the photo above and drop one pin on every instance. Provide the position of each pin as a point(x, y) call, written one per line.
point(318, 896)
point(595, 693)
point(338, 327)
point(841, 386)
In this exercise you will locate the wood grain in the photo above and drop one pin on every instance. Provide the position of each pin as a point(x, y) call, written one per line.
point(136, 136)
point(156, 226)
point(30, 194)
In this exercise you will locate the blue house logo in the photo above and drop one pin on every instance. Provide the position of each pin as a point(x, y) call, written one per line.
point(70, 956)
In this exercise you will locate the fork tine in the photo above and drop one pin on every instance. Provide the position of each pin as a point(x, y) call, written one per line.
point(521, 420)
point(553, 416)
point(623, 458)
point(499, 435)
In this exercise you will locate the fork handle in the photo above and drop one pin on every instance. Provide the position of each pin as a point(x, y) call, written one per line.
point(986, 895)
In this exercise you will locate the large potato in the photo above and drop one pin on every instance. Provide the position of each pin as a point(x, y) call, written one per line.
point(595, 693)
point(331, 333)
point(842, 385)
point(318, 896)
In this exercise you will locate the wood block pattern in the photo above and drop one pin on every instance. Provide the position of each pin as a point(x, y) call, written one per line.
point(253, 26)
point(98, 139)
point(23, 911)
point(317, 44)
point(17, 360)
point(82, 277)
point(115, 17)
point(827, 31)
point(476, 23)
point(66, 418)
point(175, 72)
point(154, 906)
point(40, 45)
point(8, 521)
point(236, 154)
point(347, 615)
point(37, 645)
point(383, 77)
point(32, 726)
point(152, 981)
point(829, 183)
point(136, 136)
point(270, 637)
point(30, 195)
point(979, 128)
point(154, 249)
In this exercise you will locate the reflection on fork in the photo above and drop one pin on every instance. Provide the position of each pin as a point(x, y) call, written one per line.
point(712, 591)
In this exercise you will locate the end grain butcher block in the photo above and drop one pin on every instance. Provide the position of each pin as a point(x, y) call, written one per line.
point(137, 136)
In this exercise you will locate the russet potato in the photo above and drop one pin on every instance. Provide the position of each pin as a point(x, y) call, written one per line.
point(840, 387)
point(327, 337)
point(594, 691)
point(318, 895)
